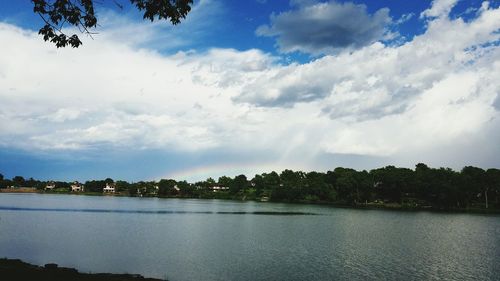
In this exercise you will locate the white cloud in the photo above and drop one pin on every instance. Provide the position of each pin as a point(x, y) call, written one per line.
point(379, 80)
point(401, 104)
point(439, 8)
point(64, 114)
point(404, 18)
point(131, 30)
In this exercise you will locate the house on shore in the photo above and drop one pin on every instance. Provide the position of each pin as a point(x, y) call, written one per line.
point(219, 188)
point(110, 188)
point(50, 185)
point(76, 187)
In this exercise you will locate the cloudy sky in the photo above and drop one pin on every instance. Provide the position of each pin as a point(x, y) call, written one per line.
point(253, 86)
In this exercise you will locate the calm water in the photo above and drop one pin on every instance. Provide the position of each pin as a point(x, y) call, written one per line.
point(227, 240)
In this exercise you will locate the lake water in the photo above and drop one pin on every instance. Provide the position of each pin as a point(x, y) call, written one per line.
point(229, 240)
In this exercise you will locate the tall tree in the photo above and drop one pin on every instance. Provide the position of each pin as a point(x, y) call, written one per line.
point(121, 185)
point(240, 183)
point(210, 182)
point(271, 180)
point(493, 186)
point(259, 184)
point(317, 187)
point(185, 188)
point(473, 183)
point(18, 181)
point(292, 185)
point(94, 186)
point(224, 181)
point(166, 187)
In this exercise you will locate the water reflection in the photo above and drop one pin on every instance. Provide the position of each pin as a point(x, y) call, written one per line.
point(268, 213)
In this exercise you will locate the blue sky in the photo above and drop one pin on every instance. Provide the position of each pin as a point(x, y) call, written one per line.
point(232, 24)
point(252, 86)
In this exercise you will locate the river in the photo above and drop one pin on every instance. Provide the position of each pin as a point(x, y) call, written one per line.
point(189, 239)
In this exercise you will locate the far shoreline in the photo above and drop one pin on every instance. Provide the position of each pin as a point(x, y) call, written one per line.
point(360, 206)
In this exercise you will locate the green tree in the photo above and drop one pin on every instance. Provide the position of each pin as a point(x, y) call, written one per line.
point(393, 183)
point(63, 185)
point(317, 188)
point(31, 182)
point(292, 187)
point(40, 185)
point(186, 189)
point(56, 14)
point(271, 180)
point(259, 184)
point(5, 183)
point(18, 181)
point(121, 186)
point(166, 187)
point(345, 185)
point(224, 181)
point(94, 186)
point(146, 188)
point(493, 183)
point(441, 188)
point(133, 189)
point(210, 182)
point(240, 183)
point(473, 183)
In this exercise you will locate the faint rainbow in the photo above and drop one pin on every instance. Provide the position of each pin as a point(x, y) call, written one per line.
point(222, 169)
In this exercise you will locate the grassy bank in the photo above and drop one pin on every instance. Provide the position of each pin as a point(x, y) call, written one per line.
point(19, 190)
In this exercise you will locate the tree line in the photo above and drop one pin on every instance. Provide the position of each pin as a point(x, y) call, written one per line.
point(422, 187)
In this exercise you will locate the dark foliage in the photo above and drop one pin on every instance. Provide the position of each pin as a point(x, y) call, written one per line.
point(56, 14)
point(423, 187)
point(95, 186)
point(17, 270)
point(238, 184)
point(167, 187)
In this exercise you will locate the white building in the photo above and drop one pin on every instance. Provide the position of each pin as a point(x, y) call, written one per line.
point(219, 188)
point(110, 188)
point(50, 185)
point(76, 187)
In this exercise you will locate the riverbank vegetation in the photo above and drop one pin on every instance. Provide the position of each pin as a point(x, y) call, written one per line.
point(424, 187)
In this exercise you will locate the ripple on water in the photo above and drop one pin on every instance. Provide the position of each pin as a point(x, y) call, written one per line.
point(228, 240)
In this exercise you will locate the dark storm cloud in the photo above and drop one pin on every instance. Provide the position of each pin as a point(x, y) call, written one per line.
point(326, 27)
point(286, 96)
point(398, 103)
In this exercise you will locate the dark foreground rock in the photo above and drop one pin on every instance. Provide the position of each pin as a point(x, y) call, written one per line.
point(17, 270)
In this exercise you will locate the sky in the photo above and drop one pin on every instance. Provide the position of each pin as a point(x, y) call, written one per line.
point(246, 87)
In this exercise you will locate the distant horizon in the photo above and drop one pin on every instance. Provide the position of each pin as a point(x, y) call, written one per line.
point(216, 177)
